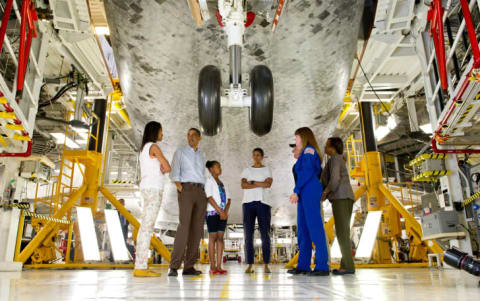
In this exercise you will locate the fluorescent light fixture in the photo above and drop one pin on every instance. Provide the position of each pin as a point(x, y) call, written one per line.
point(381, 132)
point(284, 240)
point(81, 130)
point(391, 122)
point(335, 249)
point(235, 235)
point(427, 128)
point(369, 235)
point(87, 234)
point(60, 139)
point(102, 30)
point(84, 135)
point(115, 235)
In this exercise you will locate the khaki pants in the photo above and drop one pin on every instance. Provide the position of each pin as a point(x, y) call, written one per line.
point(342, 212)
point(192, 204)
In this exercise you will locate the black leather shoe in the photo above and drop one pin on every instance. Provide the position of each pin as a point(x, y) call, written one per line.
point(173, 273)
point(297, 272)
point(191, 271)
point(319, 273)
point(343, 272)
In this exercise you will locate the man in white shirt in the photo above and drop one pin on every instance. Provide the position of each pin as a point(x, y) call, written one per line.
point(188, 173)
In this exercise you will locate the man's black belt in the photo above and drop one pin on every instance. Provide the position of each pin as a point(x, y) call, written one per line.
point(200, 185)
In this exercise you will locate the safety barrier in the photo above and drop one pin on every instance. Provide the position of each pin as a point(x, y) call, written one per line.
point(431, 175)
point(418, 160)
point(471, 199)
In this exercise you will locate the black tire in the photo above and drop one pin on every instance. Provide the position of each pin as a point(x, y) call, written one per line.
point(209, 111)
point(261, 110)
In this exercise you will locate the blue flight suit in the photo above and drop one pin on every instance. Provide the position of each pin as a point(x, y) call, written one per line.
point(309, 219)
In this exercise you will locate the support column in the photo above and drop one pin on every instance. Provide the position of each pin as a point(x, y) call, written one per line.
point(397, 169)
point(108, 162)
point(368, 127)
point(94, 163)
point(100, 109)
point(372, 165)
point(372, 162)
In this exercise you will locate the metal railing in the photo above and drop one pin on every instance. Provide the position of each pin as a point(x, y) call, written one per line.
point(408, 193)
point(62, 186)
point(354, 153)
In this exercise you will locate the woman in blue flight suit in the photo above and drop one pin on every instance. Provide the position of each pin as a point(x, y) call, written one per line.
point(308, 193)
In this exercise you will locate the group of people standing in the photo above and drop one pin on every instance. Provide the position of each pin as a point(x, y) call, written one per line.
point(206, 198)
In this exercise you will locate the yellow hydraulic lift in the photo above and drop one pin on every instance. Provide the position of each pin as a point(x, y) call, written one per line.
point(66, 197)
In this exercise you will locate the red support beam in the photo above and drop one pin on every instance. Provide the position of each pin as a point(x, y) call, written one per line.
point(5, 18)
point(435, 16)
point(452, 151)
point(471, 33)
point(27, 26)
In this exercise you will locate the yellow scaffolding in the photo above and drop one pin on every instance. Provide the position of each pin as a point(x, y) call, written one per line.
point(63, 196)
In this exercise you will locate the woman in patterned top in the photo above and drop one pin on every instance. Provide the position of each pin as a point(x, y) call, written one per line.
point(217, 215)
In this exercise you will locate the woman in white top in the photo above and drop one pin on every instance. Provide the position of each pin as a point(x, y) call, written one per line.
point(256, 183)
point(152, 167)
point(217, 215)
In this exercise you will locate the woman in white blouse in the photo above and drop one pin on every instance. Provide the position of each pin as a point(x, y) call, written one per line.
point(256, 183)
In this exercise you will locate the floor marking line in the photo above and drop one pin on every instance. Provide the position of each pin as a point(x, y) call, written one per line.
point(265, 276)
point(198, 277)
point(225, 294)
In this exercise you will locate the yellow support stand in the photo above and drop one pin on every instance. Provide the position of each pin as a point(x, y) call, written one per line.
point(156, 243)
point(21, 224)
point(41, 236)
point(40, 247)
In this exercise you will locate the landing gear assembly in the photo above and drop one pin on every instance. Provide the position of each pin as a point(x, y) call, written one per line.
point(233, 17)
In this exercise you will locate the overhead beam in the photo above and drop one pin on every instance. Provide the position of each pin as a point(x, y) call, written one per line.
point(384, 79)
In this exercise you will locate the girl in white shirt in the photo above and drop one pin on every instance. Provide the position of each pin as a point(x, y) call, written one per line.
point(152, 167)
point(256, 183)
point(217, 215)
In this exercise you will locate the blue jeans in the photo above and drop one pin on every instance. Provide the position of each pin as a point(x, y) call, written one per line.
point(251, 211)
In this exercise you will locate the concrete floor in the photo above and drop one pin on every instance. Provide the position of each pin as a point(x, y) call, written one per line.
point(367, 284)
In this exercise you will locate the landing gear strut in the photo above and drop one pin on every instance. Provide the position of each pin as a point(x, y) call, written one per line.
point(233, 16)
